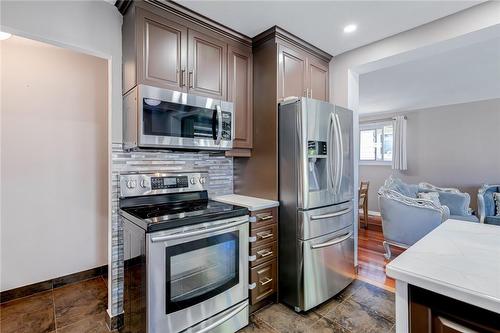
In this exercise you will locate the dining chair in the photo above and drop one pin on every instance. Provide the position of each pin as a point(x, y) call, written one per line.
point(363, 201)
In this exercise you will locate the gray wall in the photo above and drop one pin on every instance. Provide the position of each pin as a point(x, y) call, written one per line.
point(448, 146)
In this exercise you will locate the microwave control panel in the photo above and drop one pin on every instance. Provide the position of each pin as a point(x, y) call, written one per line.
point(226, 125)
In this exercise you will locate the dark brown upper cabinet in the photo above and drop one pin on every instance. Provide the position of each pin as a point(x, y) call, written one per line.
point(163, 53)
point(240, 81)
point(207, 74)
point(168, 46)
point(292, 71)
point(317, 76)
point(301, 74)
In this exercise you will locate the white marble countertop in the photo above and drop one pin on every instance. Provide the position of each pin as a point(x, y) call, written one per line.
point(458, 259)
point(251, 203)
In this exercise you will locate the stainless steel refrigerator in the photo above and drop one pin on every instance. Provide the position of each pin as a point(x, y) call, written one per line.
point(316, 213)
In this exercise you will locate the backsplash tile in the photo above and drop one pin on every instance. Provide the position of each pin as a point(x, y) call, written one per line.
point(220, 174)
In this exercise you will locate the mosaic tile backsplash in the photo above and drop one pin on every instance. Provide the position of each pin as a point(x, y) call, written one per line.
point(220, 171)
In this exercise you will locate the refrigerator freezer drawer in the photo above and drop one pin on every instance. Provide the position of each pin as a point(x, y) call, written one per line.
point(328, 266)
point(321, 221)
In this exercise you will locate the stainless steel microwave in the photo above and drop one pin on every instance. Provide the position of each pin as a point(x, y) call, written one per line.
point(160, 118)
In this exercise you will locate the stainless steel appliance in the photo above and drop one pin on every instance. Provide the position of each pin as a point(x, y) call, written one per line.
point(161, 118)
point(316, 207)
point(186, 257)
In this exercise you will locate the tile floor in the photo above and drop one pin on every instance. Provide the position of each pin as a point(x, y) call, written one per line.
point(361, 307)
point(75, 308)
point(81, 307)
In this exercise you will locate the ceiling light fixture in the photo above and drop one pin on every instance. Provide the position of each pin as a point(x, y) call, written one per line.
point(350, 28)
point(4, 35)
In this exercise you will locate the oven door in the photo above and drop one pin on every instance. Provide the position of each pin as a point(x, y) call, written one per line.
point(173, 119)
point(194, 274)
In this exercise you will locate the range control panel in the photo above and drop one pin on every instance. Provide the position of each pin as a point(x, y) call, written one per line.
point(138, 184)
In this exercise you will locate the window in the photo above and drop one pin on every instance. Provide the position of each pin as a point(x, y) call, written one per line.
point(376, 142)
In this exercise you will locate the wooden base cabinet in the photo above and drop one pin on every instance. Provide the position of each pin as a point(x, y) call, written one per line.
point(263, 265)
point(430, 312)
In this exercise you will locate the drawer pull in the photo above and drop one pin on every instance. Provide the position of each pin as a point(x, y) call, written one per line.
point(263, 283)
point(264, 217)
point(252, 258)
point(264, 235)
point(264, 253)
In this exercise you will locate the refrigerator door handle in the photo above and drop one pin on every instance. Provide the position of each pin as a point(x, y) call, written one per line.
point(340, 155)
point(330, 152)
point(327, 216)
point(333, 241)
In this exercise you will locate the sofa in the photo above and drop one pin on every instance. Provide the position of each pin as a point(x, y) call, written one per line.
point(486, 204)
point(406, 218)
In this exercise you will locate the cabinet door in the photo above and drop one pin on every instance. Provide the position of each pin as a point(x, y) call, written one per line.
point(207, 58)
point(291, 73)
point(240, 88)
point(162, 57)
point(317, 73)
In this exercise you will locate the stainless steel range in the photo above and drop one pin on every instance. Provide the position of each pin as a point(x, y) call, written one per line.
point(186, 257)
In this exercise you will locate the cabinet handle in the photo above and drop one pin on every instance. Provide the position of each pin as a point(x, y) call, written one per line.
point(264, 282)
point(264, 253)
point(264, 217)
point(190, 79)
point(264, 235)
point(182, 78)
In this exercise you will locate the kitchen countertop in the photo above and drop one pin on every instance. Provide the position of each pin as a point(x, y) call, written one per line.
point(251, 203)
point(458, 259)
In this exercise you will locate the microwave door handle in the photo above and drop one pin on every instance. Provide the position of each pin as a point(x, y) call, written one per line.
point(219, 124)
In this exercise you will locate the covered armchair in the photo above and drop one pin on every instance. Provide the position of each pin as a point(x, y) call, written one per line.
point(406, 218)
point(457, 202)
point(486, 204)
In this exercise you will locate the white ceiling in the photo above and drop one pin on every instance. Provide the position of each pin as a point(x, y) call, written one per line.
point(321, 22)
point(465, 74)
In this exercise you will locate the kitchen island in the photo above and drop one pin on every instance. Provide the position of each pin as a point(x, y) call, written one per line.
point(449, 281)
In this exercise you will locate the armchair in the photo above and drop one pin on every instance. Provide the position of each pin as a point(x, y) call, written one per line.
point(486, 204)
point(406, 218)
point(457, 202)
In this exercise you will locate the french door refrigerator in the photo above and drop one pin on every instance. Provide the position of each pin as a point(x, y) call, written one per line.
point(316, 237)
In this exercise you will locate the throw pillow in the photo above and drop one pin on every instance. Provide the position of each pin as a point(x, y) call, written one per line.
point(432, 196)
point(496, 196)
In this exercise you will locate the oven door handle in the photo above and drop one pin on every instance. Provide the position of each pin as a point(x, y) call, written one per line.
point(219, 120)
point(223, 319)
point(197, 232)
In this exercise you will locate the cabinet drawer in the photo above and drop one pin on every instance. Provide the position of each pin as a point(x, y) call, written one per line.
point(263, 217)
point(264, 235)
point(263, 253)
point(263, 281)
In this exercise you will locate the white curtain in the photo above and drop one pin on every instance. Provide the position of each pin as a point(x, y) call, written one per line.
point(399, 144)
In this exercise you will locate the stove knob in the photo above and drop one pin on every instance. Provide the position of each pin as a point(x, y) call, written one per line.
point(143, 183)
point(131, 184)
point(203, 180)
point(192, 181)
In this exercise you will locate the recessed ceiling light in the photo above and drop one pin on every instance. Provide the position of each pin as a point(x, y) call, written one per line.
point(4, 35)
point(350, 28)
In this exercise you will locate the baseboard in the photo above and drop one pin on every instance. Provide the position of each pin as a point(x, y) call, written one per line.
point(12, 294)
point(114, 322)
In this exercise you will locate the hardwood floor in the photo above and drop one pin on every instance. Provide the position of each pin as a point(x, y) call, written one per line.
point(371, 261)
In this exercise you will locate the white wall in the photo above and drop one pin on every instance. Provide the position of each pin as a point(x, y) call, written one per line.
point(93, 27)
point(54, 162)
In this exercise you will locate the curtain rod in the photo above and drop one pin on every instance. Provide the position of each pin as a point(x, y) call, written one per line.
point(378, 120)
